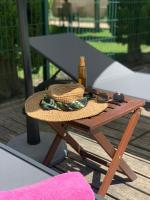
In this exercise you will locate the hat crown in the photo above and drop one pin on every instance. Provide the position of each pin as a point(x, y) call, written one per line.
point(66, 93)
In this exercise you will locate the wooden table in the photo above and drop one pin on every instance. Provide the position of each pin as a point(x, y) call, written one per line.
point(91, 125)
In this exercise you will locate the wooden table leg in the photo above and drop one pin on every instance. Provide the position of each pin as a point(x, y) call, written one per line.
point(110, 150)
point(117, 158)
point(57, 127)
point(52, 150)
point(61, 133)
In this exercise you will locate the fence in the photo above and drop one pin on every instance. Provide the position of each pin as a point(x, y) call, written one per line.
point(10, 53)
point(119, 28)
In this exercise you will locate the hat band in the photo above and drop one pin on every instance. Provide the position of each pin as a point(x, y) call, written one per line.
point(48, 103)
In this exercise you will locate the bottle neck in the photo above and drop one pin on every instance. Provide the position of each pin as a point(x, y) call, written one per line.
point(82, 61)
point(82, 73)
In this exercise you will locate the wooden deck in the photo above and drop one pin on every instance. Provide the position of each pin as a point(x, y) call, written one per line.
point(12, 123)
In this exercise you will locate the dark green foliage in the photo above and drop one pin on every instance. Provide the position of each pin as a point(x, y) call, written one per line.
point(130, 23)
point(10, 53)
point(36, 24)
point(8, 49)
point(145, 22)
point(8, 21)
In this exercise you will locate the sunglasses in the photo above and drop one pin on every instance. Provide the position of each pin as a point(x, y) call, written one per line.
point(102, 97)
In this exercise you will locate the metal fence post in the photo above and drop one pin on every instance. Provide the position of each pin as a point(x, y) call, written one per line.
point(32, 125)
point(97, 14)
point(46, 73)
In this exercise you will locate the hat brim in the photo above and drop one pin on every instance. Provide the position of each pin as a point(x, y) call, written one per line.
point(33, 109)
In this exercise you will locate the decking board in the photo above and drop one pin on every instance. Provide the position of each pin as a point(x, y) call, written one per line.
point(13, 123)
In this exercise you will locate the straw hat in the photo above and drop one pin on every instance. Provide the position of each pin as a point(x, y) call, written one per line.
point(65, 93)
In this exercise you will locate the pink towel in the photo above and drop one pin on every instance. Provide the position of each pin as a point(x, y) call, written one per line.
point(67, 186)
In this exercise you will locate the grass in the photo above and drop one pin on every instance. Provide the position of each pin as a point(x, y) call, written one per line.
point(145, 48)
point(104, 33)
point(110, 47)
point(104, 41)
point(37, 77)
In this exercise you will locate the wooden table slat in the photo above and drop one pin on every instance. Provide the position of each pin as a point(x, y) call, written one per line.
point(110, 115)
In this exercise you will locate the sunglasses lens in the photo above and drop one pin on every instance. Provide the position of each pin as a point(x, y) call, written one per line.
point(102, 98)
point(119, 97)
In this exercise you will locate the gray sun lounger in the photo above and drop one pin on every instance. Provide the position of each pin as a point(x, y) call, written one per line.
point(103, 72)
point(18, 170)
